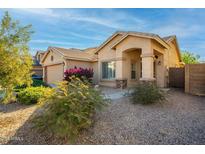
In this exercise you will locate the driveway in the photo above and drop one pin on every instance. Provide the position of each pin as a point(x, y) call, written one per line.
point(180, 120)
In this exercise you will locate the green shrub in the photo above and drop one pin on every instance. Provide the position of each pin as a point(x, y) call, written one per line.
point(70, 110)
point(32, 95)
point(38, 83)
point(35, 83)
point(146, 93)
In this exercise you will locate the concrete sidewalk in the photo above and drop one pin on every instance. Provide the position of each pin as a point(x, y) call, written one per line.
point(113, 93)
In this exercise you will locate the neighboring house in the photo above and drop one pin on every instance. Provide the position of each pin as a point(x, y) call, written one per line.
point(39, 55)
point(37, 67)
point(130, 56)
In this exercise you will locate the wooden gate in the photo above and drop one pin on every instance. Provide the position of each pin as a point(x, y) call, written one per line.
point(195, 79)
point(176, 77)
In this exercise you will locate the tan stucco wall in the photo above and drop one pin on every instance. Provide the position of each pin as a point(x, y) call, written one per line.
point(160, 64)
point(172, 55)
point(134, 42)
point(148, 48)
point(84, 64)
point(123, 60)
point(160, 71)
point(95, 69)
point(73, 63)
point(106, 54)
point(57, 58)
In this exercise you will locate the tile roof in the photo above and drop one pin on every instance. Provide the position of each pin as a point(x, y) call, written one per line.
point(89, 53)
point(167, 38)
point(126, 33)
point(71, 53)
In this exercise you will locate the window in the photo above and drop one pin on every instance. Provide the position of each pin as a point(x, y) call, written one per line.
point(133, 70)
point(108, 70)
point(51, 58)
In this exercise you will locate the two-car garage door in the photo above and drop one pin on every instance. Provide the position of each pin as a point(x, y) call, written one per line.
point(55, 73)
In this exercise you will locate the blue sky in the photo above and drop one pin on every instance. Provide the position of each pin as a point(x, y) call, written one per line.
point(82, 28)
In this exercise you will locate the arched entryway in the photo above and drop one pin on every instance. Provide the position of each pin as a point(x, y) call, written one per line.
point(131, 69)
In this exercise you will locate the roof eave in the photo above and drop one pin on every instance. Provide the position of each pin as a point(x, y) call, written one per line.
point(79, 59)
point(108, 40)
point(158, 39)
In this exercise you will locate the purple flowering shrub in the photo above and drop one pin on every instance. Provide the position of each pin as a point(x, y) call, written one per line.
point(81, 73)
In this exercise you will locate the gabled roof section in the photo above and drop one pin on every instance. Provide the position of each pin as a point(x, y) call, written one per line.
point(109, 39)
point(35, 62)
point(40, 52)
point(171, 38)
point(73, 53)
point(90, 50)
point(145, 35)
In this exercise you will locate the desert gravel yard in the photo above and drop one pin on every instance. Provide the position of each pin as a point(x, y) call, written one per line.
point(180, 120)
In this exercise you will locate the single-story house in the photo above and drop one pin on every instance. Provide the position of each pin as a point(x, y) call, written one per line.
point(127, 56)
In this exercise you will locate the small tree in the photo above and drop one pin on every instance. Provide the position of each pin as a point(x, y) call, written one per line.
point(15, 60)
point(190, 58)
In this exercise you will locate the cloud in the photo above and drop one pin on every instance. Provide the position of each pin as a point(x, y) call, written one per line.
point(41, 41)
point(39, 12)
point(110, 18)
point(86, 36)
point(181, 30)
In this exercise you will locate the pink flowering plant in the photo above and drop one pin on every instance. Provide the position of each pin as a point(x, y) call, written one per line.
point(81, 73)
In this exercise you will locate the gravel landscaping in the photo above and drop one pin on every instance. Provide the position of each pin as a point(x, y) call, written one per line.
point(180, 120)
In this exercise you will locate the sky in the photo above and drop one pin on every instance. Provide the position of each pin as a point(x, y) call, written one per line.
point(84, 28)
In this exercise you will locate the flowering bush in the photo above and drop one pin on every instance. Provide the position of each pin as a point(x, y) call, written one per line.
point(80, 73)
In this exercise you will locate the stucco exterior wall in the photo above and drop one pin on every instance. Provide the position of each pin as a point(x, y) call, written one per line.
point(133, 42)
point(84, 64)
point(123, 59)
point(160, 64)
point(57, 58)
point(172, 55)
point(95, 70)
point(73, 63)
point(106, 54)
point(160, 71)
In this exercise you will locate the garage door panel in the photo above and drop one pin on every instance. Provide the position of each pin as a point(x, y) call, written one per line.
point(55, 73)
